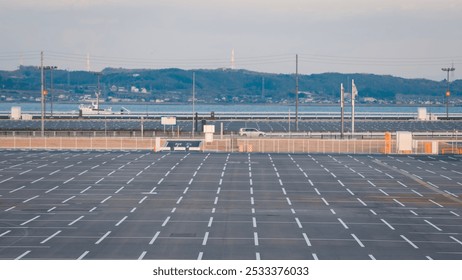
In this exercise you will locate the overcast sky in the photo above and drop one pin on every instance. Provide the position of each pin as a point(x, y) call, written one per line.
point(407, 38)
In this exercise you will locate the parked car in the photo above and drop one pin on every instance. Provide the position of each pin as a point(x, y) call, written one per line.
point(251, 132)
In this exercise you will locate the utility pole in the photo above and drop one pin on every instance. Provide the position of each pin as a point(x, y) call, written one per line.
point(193, 99)
point(354, 92)
point(51, 85)
point(296, 92)
point(42, 95)
point(342, 109)
point(448, 92)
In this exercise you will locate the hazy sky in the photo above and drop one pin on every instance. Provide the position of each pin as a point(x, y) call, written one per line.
point(408, 38)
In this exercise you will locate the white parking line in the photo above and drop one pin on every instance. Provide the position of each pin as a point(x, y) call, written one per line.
point(255, 238)
point(343, 224)
point(83, 172)
point(325, 202)
point(66, 200)
point(142, 200)
point(437, 228)
point(362, 202)
point(210, 222)
point(298, 222)
point(454, 213)
point(23, 255)
point(395, 200)
point(5, 233)
point(436, 203)
point(179, 200)
point(102, 238)
point(50, 237)
point(306, 240)
point(24, 172)
point(315, 257)
point(154, 238)
point(357, 240)
point(456, 240)
point(121, 221)
point(199, 257)
point(17, 189)
point(33, 182)
point(390, 226)
point(76, 220)
point(83, 255)
point(409, 241)
point(106, 199)
point(89, 187)
point(29, 199)
point(28, 221)
point(166, 221)
point(206, 236)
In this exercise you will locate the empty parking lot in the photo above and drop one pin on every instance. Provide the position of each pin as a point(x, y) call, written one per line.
point(143, 205)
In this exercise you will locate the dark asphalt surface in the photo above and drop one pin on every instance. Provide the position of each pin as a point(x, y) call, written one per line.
point(141, 205)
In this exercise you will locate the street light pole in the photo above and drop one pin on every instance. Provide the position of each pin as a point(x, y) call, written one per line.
point(448, 92)
point(42, 96)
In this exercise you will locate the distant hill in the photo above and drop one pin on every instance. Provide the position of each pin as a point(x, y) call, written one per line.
point(227, 84)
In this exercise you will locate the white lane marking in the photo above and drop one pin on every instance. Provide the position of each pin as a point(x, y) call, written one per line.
point(83, 172)
point(327, 203)
point(251, 190)
point(454, 213)
point(254, 222)
point(83, 255)
point(154, 238)
point(33, 182)
point(69, 166)
point(11, 208)
point(409, 241)
point(333, 212)
point(54, 172)
point(102, 238)
point(357, 240)
point(185, 190)
point(306, 240)
point(221, 182)
point(385, 222)
point(288, 201)
point(129, 181)
point(436, 203)
point(343, 224)
point(89, 187)
point(173, 210)
point(401, 184)
point(160, 181)
point(99, 180)
point(112, 172)
point(106, 199)
point(206, 236)
point(199, 257)
point(372, 184)
point(195, 173)
point(315, 257)
point(373, 212)
point(166, 221)
point(24, 172)
point(216, 200)
point(382, 191)
point(41, 166)
point(139, 173)
point(52, 189)
point(218, 190)
point(280, 182)
point(429, 258)
point(51, 209)
point(252, 201)
point(142, 255)
point(317, 191)
point(251, 182)
point(446, 177)
point(298, 222)
point(210, 222)
point(361, 175)
point(430, 183)
point(311, 183)
point(190, 181)
point(96, 166)
point(66, 200)
point(348, 190)
point(284, 191)
point(23, 255)
point(292, 210)
point(67, 181)
point(15, 190)
point(257, 256)
point(28, 221)
point(456, 240)
point(142, 200)
point(50, 237)
point(372, 257)
point(76, 220)
point(179, 200)
point(29, 199)
point(5, 233)
point(414, 213)
point(340, 182)
point(437, 228)
point(362, 202)
point(121, 188)
point(395, 200)
point(121, 221)
point(255, 238)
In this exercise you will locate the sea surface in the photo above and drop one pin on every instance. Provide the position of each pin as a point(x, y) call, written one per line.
point(5, 107)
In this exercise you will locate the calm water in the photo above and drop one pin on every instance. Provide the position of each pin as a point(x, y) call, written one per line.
point(206, 108)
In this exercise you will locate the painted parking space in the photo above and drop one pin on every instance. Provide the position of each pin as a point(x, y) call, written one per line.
point(181, 205)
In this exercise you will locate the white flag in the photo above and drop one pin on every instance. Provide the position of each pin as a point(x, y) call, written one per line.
point(354, 90)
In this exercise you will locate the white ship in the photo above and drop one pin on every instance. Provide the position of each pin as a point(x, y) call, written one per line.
point(94, 108)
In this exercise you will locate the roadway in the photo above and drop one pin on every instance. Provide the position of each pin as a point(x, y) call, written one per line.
point(141, 205)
